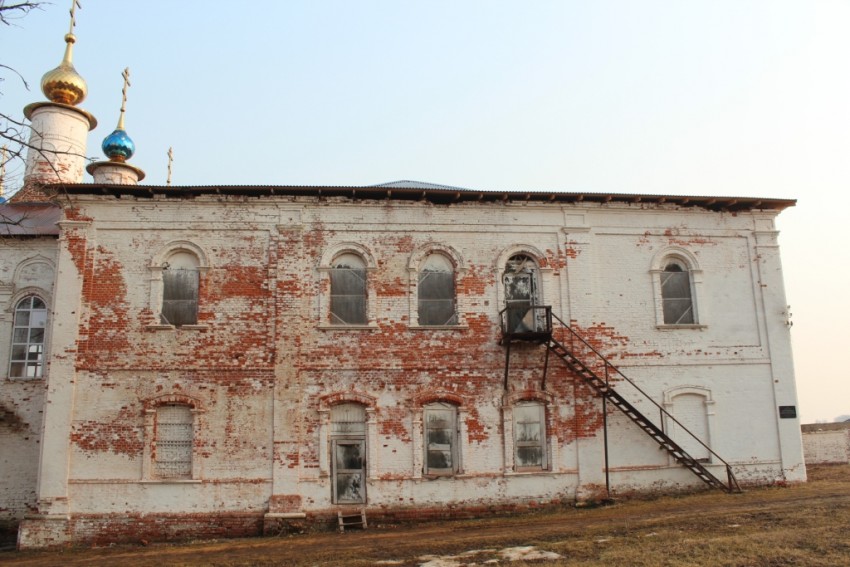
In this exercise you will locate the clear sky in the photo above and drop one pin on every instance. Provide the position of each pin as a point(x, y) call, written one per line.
point(698, 97)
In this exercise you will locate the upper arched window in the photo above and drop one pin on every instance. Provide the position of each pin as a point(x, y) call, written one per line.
point(676, 293)
point(521, 279)
point(180, 282)
point(28, 334)
point(436, 288)
point(348, 290)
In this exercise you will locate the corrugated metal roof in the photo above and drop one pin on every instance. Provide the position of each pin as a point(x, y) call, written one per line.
point(443, 195)
point(29, 219)
point(407, 184)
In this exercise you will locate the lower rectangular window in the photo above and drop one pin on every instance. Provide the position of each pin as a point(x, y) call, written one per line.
point(174, 441)
point(530, 436)
point(441, 439)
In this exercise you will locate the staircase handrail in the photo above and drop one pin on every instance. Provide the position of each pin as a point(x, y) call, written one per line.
point(663, 411)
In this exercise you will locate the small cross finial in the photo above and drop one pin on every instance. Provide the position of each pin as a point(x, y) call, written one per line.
point(126, 75)
point(74, 5)
point(170, 161)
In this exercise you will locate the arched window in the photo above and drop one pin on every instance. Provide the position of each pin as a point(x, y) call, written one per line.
point(437, 299)
point(441, 439)
point(180, 284)
point(348, 290)
point(174, 436)
point(30, 323)
point(676, 297)
point(522, 292)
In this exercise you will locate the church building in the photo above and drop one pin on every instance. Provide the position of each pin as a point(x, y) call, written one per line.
point(200, 361)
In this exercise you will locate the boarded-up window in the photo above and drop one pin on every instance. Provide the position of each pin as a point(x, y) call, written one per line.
point(440, 439)
point(529, 436)
point(174, 440)
point(180, 284)
point(676, 295)
point(348, 290)
point(690, 410)
point(27, 360)
point(437, 292)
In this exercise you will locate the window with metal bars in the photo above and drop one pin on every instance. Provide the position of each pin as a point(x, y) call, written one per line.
point(348, 290)
point(436, 290)
point(676, 297)
point(28, 334)
point(174, 437)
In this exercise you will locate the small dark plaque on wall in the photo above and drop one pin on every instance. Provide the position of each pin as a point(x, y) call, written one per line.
point(786, 412)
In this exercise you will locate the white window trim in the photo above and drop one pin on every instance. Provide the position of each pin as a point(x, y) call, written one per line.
point(148, 465)
point(8, 324)
point(502, 261)
point(156, 286)
point(324, 295)
point(420, 448)
point(695, 277)
point(414, 265)
point(544, 399)
point(669, 400)
point(324, 431)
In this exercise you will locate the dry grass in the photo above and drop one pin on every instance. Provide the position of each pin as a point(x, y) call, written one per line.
point(803, 525)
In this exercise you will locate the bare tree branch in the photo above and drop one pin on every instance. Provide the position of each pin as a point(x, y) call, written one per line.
point(16, 10)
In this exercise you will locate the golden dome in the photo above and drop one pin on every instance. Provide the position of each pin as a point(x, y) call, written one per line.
point(63, 84)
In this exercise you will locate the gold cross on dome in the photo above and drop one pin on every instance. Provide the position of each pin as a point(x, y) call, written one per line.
point(126, 76)
point(74, 5)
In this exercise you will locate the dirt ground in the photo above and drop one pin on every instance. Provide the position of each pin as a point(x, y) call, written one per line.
point(800, 525)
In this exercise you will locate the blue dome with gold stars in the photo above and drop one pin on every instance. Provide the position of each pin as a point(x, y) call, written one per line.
point(118, 146)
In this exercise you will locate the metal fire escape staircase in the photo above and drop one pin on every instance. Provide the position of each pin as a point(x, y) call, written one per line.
point(535, 324)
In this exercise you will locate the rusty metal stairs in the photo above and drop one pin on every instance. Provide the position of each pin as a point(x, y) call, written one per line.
point(656, 433)
point(544, 335)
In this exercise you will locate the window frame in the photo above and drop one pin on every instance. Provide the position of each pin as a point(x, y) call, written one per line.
point(348, 436)
point(540, 407)
point(326, 436)
point(157, 287)
point(180, 298)
point(163, 437)
point(337, 295)
point(675, 270)
point(423, 274)
point(415, 267)
point(149, 463)
point(672, 428)
point(688, 263)
point(324, 269)
point(454, 429)
point(28, 295)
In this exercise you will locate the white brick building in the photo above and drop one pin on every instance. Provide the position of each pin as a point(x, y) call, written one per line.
point(225, 360)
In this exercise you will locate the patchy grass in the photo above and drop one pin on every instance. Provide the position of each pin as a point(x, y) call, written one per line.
point(802, 525)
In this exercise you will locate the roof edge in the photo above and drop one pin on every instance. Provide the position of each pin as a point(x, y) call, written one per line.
point(434, 195)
